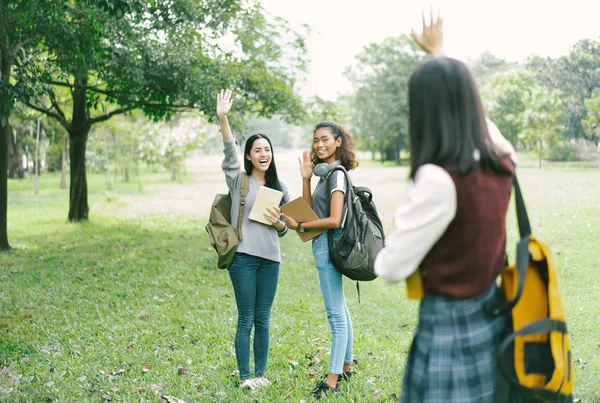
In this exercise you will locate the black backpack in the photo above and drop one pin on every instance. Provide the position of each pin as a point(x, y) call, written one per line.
point(353, 253)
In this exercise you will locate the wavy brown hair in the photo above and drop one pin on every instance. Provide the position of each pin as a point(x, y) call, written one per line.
point(345, 152)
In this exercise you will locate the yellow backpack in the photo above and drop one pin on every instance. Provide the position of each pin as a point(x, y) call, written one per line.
point(535, 357)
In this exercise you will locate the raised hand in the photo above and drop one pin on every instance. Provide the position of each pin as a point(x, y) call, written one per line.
point(224, 102)
point(431, 40)
point(305, 165)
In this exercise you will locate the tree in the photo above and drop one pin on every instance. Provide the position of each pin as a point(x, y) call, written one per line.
point(591, 125)
point(486, 66)
point(577, 76)
point(505, 104)
point(380, 78)
point(541, 119)
point(22, 25)
point(162, 57)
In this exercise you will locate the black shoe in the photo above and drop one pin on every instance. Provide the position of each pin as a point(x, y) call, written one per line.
point(345, 376)
point(323, 388)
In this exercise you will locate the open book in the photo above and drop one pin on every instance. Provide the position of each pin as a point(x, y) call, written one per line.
point(299, 210)
point(265, 198)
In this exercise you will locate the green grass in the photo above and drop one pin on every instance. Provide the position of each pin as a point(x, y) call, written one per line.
point(84, 308)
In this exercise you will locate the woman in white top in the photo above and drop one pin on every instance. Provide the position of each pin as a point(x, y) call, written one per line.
point(453, 231)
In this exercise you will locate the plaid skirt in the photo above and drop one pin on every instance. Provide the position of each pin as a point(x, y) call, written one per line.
point(453, 356)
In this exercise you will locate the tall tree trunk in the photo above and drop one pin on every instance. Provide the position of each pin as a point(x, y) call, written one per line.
point(15, 154)
point(78, 133)
point(78, 203)
point(63, 176)
point(5, 107)
point(37, 158)
point(397, 149)
point(540, 153)
point(107, 162)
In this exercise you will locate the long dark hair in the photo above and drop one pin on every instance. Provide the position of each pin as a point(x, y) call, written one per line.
point(271, 178)
point(447, 121)
point(345, 152)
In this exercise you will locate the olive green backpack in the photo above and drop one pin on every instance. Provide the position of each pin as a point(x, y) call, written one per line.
point(223, 237)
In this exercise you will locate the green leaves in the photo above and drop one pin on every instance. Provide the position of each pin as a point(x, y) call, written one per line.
point(380, 103)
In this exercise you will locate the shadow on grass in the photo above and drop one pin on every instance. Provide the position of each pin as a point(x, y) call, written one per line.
point(79, 303)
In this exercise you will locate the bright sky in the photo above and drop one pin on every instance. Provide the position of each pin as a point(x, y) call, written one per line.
point(510, 29)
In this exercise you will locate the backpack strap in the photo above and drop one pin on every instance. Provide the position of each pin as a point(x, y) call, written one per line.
point(349, 186)
point(346, 199)
point(502, 307)
point(244, 189)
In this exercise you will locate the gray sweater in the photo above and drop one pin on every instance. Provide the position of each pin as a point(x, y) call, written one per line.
point(257, 239)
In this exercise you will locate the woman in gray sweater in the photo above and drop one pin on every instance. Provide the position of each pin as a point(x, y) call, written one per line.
point(255, 268)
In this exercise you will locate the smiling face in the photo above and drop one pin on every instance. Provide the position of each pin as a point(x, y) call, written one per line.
point(260, 155)
point(325, 144)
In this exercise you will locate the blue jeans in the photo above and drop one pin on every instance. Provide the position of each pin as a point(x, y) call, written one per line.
point(338, 316)
point(254, 282)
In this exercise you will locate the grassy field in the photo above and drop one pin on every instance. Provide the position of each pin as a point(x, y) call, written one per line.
point(131, 309)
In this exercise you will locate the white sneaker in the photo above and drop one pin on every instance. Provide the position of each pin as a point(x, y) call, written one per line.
point(247, 384)
point(261, 382)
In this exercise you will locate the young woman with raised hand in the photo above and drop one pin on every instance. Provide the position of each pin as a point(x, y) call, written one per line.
point(254, 271)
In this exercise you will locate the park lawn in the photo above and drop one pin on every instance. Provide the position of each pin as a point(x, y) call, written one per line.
point(132, 309)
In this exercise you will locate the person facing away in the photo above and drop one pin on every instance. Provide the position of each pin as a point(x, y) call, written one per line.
point(332, 146)
point(452, 230)
point(254, 271)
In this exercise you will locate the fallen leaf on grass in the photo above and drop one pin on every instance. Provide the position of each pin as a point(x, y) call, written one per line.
point(138, 390)
point(293, 384)
point(235, 373)
point(115, 388)
point(144, 315)
point(289, 394)
point(147, 368)
point(119, 372)
point(294, 363)
point(315, 361)
point(8, 264)
point(182, 370)
point(376, 396)
point(222, 394)
point(82, 378)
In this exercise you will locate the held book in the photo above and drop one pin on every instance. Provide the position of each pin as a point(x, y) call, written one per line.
point(299, 210)
point(265, 198)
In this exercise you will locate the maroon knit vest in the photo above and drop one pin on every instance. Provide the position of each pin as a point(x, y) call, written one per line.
point(469, 256)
